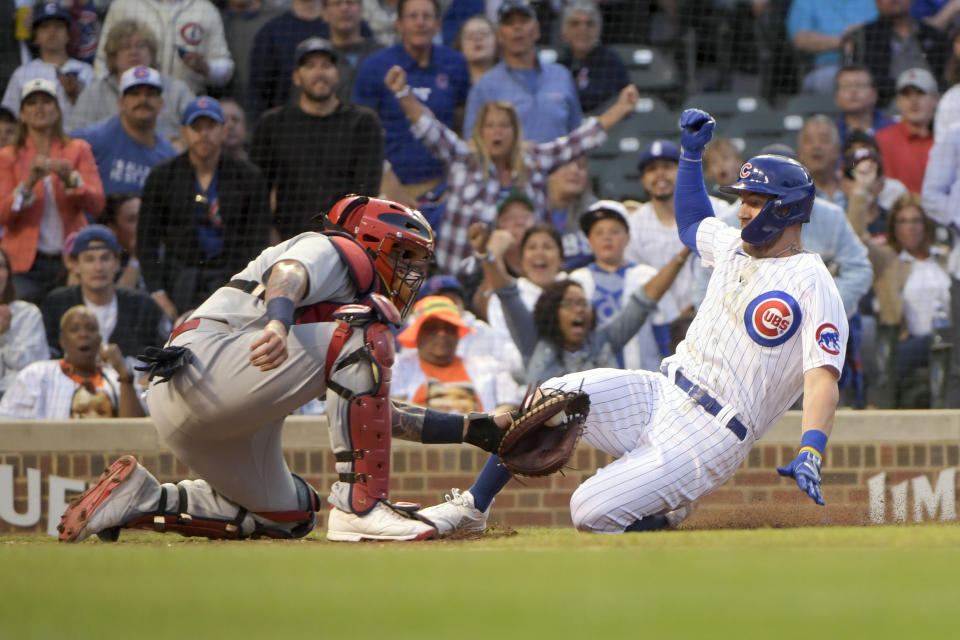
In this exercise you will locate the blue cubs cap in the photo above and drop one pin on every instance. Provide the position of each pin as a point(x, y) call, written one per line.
point(94, 236)
point(515, 6)
point(49, 11)
point(200, 107)
point(140, 75)
point(435, 285)
point(657, 150)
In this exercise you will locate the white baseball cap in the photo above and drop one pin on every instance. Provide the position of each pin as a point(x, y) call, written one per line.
point(140, 75)
point(919, 78)
point(38, 85)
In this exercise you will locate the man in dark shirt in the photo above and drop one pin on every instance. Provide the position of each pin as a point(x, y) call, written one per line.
point(319, 149)
point(598, 72)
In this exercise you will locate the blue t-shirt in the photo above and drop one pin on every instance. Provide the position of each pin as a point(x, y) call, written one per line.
point(123, 162)
point(545, 98)
point(608, 295)
point(441, 86)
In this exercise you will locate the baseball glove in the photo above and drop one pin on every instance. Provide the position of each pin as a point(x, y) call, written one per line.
point(531, 446)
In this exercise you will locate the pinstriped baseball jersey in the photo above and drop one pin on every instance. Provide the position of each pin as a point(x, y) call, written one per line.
point(763, 323)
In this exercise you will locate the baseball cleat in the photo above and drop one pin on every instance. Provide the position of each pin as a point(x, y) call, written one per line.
point(457, 513)
point(107, 504)
point(678, 515)
point(381, 523)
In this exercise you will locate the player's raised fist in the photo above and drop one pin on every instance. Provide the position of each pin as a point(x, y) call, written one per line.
point(697, 126)
point(396, 78)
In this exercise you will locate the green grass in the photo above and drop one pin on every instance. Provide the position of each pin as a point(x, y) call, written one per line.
point(776, 584)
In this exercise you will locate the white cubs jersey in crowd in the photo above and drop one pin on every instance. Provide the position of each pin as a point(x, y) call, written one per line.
point(763, 323)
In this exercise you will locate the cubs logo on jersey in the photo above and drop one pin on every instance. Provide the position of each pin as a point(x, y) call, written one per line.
point(772, 318)
point(828, 338)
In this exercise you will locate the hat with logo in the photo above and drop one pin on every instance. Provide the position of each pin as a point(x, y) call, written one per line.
point(919, 78)
point(94, 236)
point(657, 150)
point(314, 45)
point(38, 85)
point(140, 75)
point(49, 11)
point(515, 6)
point(603, 210)
point(204, 106)
point(432, 307)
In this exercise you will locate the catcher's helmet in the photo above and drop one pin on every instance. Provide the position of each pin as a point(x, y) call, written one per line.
point(398, 238)
point(792, 189)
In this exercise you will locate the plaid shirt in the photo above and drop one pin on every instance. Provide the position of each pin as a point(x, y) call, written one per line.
point(473, 198)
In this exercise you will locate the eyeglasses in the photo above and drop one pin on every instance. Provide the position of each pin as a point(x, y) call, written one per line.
point(574, 304)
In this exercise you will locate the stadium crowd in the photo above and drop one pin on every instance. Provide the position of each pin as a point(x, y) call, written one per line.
point(150, 148)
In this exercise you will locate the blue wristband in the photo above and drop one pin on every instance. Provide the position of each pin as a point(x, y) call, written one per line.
point(281, 310)
point(814, 440)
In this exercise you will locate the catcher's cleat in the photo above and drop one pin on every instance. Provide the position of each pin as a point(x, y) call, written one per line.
point(104, 506)
point(457, 513)
point(381, 523)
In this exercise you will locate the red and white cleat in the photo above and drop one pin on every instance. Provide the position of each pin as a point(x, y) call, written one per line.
point(107, 503)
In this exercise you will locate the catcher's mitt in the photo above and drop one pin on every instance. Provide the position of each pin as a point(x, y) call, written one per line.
point(530, 446)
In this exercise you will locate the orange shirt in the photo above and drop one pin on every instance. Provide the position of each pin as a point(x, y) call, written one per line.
point(904, 155)
point(447, 388)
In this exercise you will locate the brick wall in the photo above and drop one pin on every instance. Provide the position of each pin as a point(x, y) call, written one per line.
point(41, 463)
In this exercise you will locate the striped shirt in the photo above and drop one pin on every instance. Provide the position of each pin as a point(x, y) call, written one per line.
point(473, 198)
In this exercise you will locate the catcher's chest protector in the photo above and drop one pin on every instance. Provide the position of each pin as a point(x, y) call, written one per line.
point(368, 448)
point(360, 269)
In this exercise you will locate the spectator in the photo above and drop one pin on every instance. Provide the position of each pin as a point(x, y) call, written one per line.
point(286, 141)
point(47, 181)
point(242, 20)
point(234, 129)
point(91, 380)
point(455, 14)
point(130, 44)
point(948, 109)
point(127, 145)
point(126, 317)
point(891, 188)
point(543, 94)
point(496, 160)
point(818, 148)
point(514, 217)
point(438, 77)
point(913, 289)
point(272, 56)
point(121, 216)
point(570, 193)
point(863, 200)
point(819, 27)
point(192, 46)
point(345, 18)
point(477, 41)
point(610, 280)
point(8, 127)
point(482, 341)
point(906, 144)
point(204, 215)
point(381, 15)
point(597, 70)
point(721, 167)
point(856, 97)
point(894, 43)
point(22, 339)
point(428, 372)
point(560, 334)
point(653, 230)
point(941, 190)
point(51, 34)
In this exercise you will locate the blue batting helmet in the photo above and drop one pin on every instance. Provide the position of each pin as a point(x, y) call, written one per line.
point(792, 189)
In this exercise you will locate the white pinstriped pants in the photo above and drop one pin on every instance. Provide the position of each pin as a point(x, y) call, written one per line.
point(669, 450)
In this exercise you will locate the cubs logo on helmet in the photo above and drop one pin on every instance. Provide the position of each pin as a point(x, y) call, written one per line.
point(745, 170)
point(828, 338)
point(772, 318)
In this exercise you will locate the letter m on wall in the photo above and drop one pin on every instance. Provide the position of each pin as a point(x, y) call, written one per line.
point(942, 498)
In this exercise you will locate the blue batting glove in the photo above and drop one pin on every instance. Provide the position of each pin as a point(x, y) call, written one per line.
point(697, 129)
point(805, 469)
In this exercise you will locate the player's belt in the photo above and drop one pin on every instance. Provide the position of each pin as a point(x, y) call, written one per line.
point(709, 403)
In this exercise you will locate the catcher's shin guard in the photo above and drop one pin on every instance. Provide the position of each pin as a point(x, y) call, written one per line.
point(362, 446)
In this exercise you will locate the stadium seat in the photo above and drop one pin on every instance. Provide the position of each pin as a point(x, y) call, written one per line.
point(805, 105)
point(617, 178)
point(727, 105)
point(651, 69)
